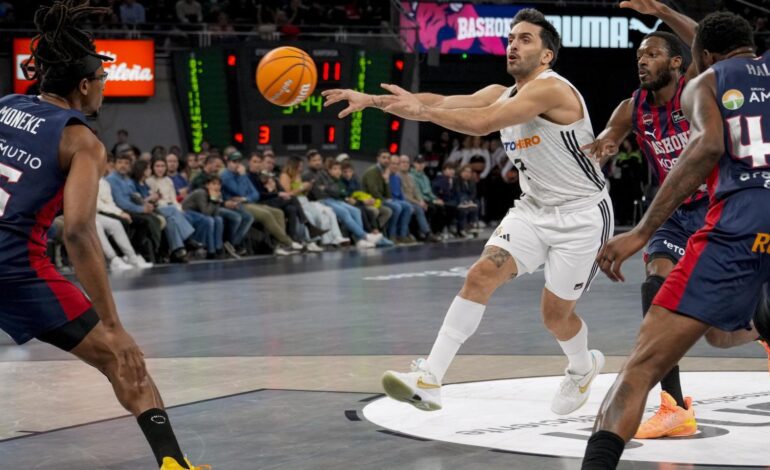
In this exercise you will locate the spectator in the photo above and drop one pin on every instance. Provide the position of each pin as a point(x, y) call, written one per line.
point(413, 196)
point(467, 204)
point(297, 225)
point(6, 12)
point(438, 212)
point(110, 220)
point(177, 177)
point(147, 228)
point(192, 167)
point(318, 214)
point(268, 157)
point(178, 230)
point(365, 201)
point(237, 187)
point(212, 166)
point(394, 181)
point(121, 145)
point(375, 181)
point(203, 206)
point(325, 190)
point(222, 29)
point(132, 13)
point(189, 11)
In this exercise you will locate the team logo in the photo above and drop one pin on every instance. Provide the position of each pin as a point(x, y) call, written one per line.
point(732, 99)
point(578, 286)
point(678, 116)
point(733, 410)
point(647, 119)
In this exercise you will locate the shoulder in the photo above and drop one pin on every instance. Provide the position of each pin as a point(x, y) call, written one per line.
point(80, 139)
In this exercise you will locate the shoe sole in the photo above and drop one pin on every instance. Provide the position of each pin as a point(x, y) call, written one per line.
point(688, 428)
point(396, 389)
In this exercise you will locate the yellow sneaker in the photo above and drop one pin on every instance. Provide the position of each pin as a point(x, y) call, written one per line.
point(671, 420)
point(767, 350)
point(172, 464)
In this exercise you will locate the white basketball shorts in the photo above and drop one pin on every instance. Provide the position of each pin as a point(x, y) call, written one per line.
point(566, 239)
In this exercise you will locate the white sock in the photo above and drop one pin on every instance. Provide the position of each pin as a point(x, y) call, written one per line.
point(576, 349)
point(461, 321)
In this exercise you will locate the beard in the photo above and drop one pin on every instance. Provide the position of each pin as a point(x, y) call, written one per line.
point(663, 79)
point(523, 67)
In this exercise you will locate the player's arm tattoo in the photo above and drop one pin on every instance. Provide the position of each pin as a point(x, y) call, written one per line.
point(496, 255)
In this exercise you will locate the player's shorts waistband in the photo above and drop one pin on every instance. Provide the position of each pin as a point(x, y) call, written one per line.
point(577, 205)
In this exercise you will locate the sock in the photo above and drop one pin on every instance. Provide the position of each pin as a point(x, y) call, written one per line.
point(670, 383)
point(461, 321)
point(576, 350)
point(603, 451)
point(157, 430)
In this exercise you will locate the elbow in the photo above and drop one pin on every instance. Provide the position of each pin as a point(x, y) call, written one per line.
point(79, 234)
point(481, 127)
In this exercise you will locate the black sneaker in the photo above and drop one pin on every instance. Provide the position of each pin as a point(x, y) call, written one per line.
point(315, 232)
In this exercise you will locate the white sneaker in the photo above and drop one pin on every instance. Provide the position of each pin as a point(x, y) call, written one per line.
point(281, 251)
point(138, 261)
point(313, 248)
point(296, 246)
point(117, 264)
point(374, 237)
point(575, 389)
point(364, 244)
point(419, 388)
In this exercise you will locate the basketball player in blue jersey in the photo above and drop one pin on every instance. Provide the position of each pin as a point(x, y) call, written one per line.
point(718, 283)
point(50, 159)
point(654, 115)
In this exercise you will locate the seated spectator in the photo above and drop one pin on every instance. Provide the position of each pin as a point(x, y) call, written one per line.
point(212, 166)
point(132, 13)
point(204, 206)
point(325, 190)
point(297, 225)
point(191, 167)
point(380, 214)
point(439, 214)
point(110, 220)
point(146, 227)
point(318, 214)
point(375, 181)
point(177, 177)
point(396, 192)
point(467, 204)
point(236, 187)
point(178, 230)
point(268, 158)
point(409, 189)
point(189, 11)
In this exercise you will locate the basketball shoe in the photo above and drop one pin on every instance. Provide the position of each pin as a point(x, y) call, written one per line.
point(171, 464)
point(574, 390)
point(419, 388)
point(671, 420)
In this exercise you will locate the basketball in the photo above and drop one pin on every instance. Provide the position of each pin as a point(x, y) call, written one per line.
point(286, 76)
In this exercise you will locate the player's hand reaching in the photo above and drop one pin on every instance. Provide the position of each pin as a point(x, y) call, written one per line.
point(357, 101)
point(128, 356)
point(617, 250)
point(647, 7)
point(404, 104)
point(600, 149)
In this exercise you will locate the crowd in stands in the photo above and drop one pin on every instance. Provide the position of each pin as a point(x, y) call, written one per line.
point(164, 206)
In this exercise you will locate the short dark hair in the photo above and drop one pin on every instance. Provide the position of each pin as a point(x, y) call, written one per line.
point(346, 164)
point(209, 178)
point(673, 45)
point(123, 156)
point(548, 33)
point(446, 165)
point(211, 158)
point(722, 32)
point(311, 153)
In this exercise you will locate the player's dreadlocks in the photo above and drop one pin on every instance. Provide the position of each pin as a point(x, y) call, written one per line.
point(62, 53)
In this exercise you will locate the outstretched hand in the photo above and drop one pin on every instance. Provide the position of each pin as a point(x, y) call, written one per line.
point(647, 7)
point(600, 149)
point(357, 101)
point(404, 104)
point(617, 250)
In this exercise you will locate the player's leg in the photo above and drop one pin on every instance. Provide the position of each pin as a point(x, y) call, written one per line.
point(663, 339)
point(514, 248)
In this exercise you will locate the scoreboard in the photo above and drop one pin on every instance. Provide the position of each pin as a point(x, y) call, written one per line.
point(220, 102)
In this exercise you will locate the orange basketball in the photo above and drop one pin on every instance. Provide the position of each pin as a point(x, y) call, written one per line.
point(286, 76)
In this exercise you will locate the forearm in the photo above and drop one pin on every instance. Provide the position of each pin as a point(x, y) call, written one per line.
point(470, 121)
point(87, 258)
point(682, 25)
point(686, 176)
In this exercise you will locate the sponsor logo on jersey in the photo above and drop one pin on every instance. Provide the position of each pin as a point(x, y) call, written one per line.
point(647, 119)
point(522, 144)
point(759, 70)
point(674, 247)
point(671, 144)
point(732, 99)
point(678, 116)
point(18, 155)
point(759, 95)
point(761, 243)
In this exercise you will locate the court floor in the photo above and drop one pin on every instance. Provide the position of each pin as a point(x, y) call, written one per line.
point(274, 363)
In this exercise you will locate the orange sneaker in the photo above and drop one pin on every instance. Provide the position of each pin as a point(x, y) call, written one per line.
point(767, 350)
point(671, 420)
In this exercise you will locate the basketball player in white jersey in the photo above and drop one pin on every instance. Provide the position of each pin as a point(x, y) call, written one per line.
point(561, 221)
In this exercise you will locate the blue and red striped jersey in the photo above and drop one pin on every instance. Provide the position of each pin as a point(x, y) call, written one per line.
point(743, 96)
point(662, 133)
point(31, 179)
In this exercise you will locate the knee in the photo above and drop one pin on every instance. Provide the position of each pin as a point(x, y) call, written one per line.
point(718, 338)
point(482, 278)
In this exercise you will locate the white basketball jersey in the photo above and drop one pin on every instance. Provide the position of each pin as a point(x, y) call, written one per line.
point(552, 168)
